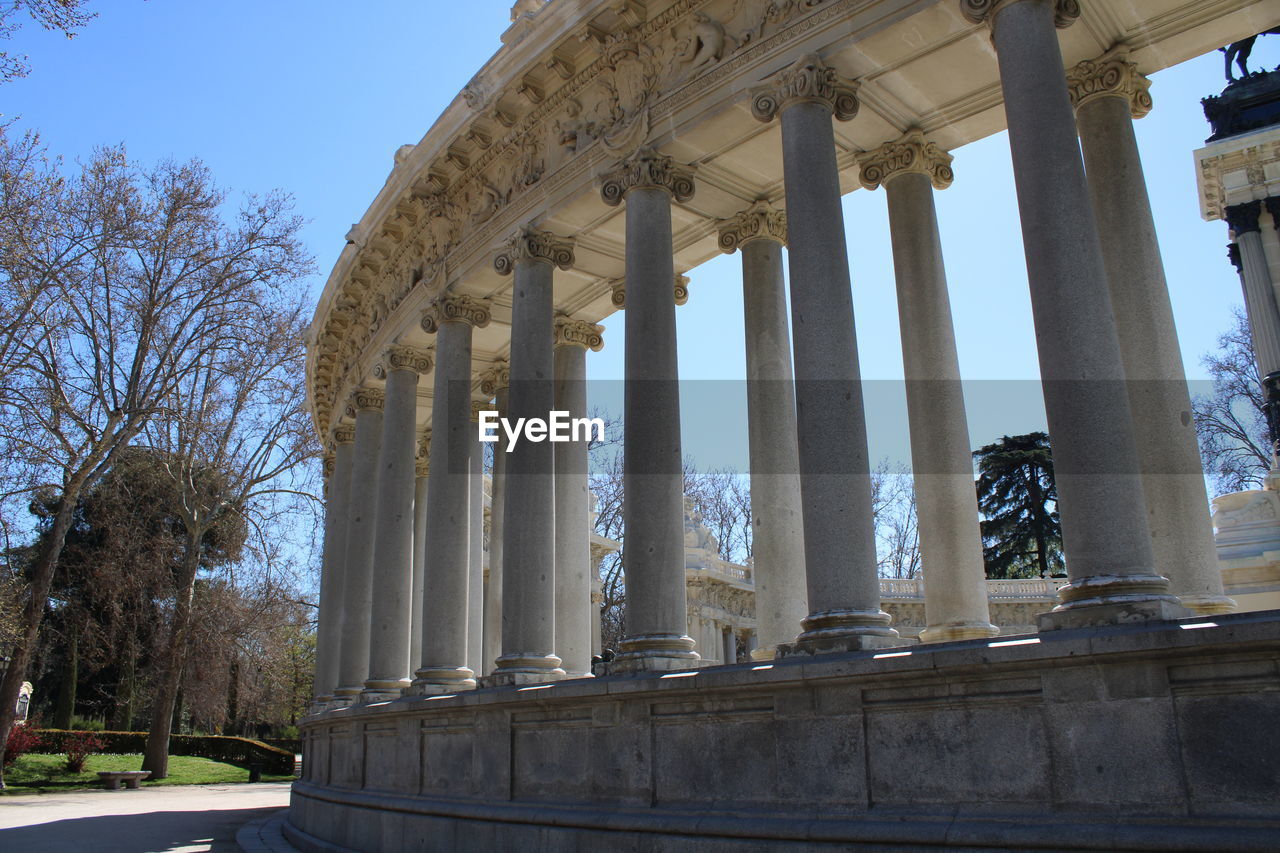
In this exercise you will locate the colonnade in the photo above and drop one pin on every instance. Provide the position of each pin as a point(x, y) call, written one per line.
point(1132, 503)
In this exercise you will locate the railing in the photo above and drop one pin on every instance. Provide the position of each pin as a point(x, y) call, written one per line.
point(909, 588)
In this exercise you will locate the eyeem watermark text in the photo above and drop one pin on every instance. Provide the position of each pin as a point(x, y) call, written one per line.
point(559, 427)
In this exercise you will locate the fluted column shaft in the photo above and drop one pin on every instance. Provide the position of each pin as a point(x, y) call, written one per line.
point(392, 601)
point(573, 504)
point(835, 475)
point(357, 587)
point(1160, 403)
point(329, 627)
point(1100, 499)
point(777, 524)
point(528, 578)
point(497, 499)
point(653, 484)
point(444, 609)
point(955, 586)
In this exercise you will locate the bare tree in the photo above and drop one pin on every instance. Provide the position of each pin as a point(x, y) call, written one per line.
point(142, 280)
point(65, 16)
point(236, 440)
point(1231, 421)
point(893, 506)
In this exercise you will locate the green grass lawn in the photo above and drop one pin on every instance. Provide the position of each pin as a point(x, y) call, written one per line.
point(42, 773)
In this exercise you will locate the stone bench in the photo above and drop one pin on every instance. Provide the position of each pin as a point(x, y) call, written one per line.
point(130, 778)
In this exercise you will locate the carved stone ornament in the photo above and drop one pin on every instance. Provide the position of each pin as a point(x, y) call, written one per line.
point(422, 454)
point(577, 333)
point(679, 291)
point(328, 464)
point(647, 168)
point(496, 378)
point(1065, 12)
point(1243, 218)
point(344, 434)
point(478, 406)
point(365, 400)
point(456, 308)
point(1110, 76)
point(530, 244)
point(810, 80)
point(761, 220)
point(402, 357)
point(910, 154)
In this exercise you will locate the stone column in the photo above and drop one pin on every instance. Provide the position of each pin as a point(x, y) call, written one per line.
point(955, 602)
point(1108, 94)
point(392, 601)
point(357, 586)
point(654, 500)
point(494, 382)
point(329, 627)
point(730, 647)
point(573, 505)
point(777, 525)
point(444, 609)
point(835, 475)
point(475, 536)
point(422, 466)
point(528, 595)
point(1260, 306)
point(1100, 497)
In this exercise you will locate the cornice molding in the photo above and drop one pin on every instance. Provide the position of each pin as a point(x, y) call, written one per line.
point(1110, 76)
point(457, 308)
point(530, 244)
point(912, 154)
point(569, 332)
point(759, 221)
point(809, 80)
point(650, 170)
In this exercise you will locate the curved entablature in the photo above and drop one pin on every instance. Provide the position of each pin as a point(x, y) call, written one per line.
point(580, 84)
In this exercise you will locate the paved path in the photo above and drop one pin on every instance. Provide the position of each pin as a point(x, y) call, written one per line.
point(176, 819)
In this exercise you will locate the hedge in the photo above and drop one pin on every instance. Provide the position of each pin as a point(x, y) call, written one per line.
point(233, 750)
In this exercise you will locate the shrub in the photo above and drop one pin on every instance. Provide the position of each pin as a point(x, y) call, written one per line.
point(86, 724)
point(77, 748)
point(22, 739)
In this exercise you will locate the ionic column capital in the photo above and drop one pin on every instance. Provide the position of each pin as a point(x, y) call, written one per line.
point(810, 80)
point(759, 221)
point(497, 377)
point(328, 463)
point(456, 308)
point(365, 400)
point(1243, 218)
point(344, 434)
point(647, 169)
point(912, 154)
point(530, 244)
point(1272, 204)
point(403, 357)
point(1110, 76)
point(478, 406)
point(1065, 12)
point(422, 454)
point(568, 332)
point(679, 291)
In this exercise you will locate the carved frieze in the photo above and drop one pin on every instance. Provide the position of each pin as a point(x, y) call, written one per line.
point(1110, 76)
point(759, 220)
point(647, 168)
point(910, 154)
point(578, 333)
point(456, 308)
point(809, 80)
point(530, 244)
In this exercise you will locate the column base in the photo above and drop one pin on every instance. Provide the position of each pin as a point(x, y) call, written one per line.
point(1209, 605)
point(438, 680)
point(344, 697)
point(383, 690)
point(654, 653)
point(950, 632)
point(524, 669)
point(834, 631)
point(1111, 613)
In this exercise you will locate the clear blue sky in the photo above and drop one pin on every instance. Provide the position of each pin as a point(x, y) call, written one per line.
point(314, 96)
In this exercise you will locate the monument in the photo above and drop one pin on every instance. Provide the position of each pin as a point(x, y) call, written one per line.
point(606, 150)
